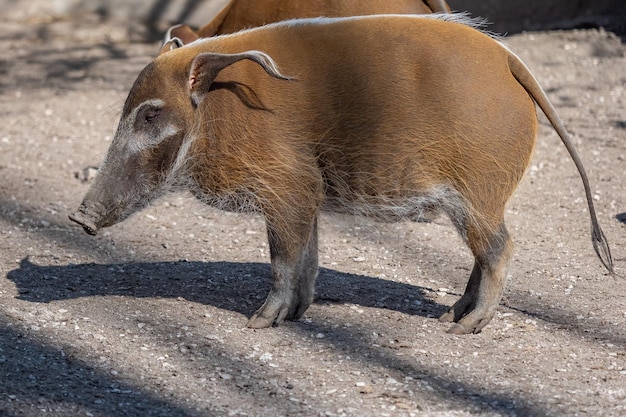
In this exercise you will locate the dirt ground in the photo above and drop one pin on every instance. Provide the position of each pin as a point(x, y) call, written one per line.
point(148, 318)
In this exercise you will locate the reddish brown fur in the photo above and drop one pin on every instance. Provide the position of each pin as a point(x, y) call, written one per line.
point(243, 14)
point(389, 116)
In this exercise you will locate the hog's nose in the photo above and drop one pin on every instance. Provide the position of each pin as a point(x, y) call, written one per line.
point(89, 225)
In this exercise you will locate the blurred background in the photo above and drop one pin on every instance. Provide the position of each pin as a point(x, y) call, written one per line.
point(147, 20)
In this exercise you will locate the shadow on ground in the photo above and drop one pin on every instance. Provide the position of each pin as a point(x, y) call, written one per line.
point(44, 380)
point(238, 287)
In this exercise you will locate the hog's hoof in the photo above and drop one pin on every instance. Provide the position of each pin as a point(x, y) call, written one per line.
point(272, 313)
point(466, 320)
point(447, 317)
point(457, 328)
point(278, 308)
point(472, 323)
point(469, 325)
point(257, 322)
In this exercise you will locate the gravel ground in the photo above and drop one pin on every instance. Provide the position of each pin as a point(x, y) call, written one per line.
point(148, 318)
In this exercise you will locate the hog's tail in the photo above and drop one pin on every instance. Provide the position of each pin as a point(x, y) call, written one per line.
point(528, 81)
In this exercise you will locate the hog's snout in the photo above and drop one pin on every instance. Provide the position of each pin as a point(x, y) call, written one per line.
point(89, 226)
point(86, 219)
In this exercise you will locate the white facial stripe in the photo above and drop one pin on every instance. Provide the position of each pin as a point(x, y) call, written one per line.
point(136, 142)
point(155, 102)
point(136, 145)
point(178, 169)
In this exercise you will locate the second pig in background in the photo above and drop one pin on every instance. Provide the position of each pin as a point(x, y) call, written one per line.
point(243, 14)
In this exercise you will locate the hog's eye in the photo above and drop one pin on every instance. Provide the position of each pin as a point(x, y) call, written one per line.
point(151, 116)
point(147, 116)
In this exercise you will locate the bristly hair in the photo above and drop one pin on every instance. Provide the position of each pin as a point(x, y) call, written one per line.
point(462, 18)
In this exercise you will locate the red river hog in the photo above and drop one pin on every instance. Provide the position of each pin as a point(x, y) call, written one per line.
point(393, 117)
point(243, 14)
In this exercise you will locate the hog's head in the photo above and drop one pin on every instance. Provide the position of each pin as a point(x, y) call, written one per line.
point(148, 154)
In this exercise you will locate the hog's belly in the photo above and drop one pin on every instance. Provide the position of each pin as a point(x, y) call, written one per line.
point(423, 206)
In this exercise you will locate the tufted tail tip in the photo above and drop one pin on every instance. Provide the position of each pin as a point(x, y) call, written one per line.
point(602, 249)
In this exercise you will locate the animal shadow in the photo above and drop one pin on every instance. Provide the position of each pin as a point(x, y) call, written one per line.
point(239, 287)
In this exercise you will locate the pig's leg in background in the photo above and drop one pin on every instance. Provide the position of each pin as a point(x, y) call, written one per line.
point(294, 271)
point(309, 270)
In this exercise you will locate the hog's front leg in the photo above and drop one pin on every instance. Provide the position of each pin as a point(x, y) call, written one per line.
point(294, 271)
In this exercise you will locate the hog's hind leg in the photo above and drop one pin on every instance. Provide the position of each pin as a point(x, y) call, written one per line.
point(477, 306)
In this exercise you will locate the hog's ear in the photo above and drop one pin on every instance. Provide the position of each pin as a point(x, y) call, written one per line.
point(183, 32)
point(170, 45)
point(178, 36)
point(206, 66)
